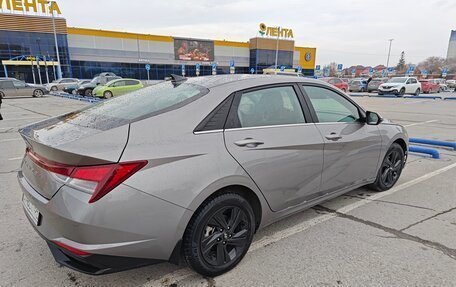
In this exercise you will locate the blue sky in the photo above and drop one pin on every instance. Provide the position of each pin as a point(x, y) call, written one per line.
point(348, 32)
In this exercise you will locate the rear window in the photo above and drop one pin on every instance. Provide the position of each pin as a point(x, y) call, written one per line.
point(143, 103)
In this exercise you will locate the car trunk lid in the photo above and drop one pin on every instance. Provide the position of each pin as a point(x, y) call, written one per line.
point(67, 141)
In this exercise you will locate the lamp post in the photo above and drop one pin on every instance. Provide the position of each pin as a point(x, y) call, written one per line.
point(277, 50)
point(59, 69)
point(389, 52)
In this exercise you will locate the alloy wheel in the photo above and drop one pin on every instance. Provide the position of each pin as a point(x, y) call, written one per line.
point(225, 236)
point(391, 168)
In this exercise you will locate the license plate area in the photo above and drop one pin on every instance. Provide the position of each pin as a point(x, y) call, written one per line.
point(31, 210)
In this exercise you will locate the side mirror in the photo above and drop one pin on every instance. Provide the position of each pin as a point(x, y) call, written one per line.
point(373, 118)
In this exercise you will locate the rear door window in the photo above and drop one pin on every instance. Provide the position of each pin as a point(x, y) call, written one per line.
point(271, 106)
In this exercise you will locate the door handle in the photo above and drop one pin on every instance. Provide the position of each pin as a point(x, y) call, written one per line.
point(248, 142)
point(333, 137)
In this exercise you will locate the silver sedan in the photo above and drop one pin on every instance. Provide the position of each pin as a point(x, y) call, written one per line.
point(192, 168)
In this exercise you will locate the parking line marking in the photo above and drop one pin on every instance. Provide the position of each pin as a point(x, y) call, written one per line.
point(10, 140)
point(16, 158)
point(415, 102)
point(181, 274)
point(24, 118)
point(421, 123)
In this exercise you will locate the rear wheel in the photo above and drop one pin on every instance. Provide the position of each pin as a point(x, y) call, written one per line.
point(53, 88)
point(219, 234)
point(88, 92)
point(391, 168)
point(2, 95)
point(417, 92)
point(37, 93)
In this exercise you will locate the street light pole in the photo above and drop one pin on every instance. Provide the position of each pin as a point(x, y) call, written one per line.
point(277, 49)
point(59, 69)
point(389, 53)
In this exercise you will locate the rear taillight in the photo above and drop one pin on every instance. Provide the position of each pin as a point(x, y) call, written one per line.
point(71, 249)
point(98, 180)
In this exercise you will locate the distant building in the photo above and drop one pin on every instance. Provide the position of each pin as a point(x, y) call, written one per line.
point(452, 46)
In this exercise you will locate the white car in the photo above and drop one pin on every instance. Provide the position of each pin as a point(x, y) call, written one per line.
point(400, 86)
point(442, 84)
point(451, 84)
point(61, 84)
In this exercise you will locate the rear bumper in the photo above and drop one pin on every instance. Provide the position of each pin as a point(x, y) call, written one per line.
point(124, 230)
point(97, 264)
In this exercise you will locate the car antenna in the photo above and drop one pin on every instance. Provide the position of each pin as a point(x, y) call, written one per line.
point(176, 80)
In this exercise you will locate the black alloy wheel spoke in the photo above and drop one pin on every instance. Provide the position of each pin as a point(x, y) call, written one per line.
point(208, 243)
point(225, 237)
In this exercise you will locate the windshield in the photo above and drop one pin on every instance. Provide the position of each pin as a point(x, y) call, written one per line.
point(136, 105)
point(95, 80)
point(397, 80)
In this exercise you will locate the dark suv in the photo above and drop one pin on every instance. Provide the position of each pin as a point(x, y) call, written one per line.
point(101, 79)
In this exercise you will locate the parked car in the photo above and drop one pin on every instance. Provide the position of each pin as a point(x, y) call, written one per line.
point(357, 85)
point(71, 89)
point(194, 167)
point(374, 84)
point(86, 89)
point(336, 82)
point(441, 83)
point(15, 88)
point(429, 86)
point(116, 88)
point(451, 84)
point(400, 86)
point(60, 84)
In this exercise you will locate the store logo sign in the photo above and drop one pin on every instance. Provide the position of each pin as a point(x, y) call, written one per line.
point(275, 31)
point(37, 6)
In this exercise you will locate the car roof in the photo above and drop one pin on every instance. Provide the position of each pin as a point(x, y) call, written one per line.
point(247, 80)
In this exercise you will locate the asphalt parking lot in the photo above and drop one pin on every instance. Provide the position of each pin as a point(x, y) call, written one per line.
point(402, 237)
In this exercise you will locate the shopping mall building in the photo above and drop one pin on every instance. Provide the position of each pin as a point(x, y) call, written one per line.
point(27, 50)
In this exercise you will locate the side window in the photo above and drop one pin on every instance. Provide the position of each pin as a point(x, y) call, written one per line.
point(118, 84)
point(409, 81)
point(18, 84)
point(131, 83)
point(414, 81)
point(330, 106)
point(271, 106)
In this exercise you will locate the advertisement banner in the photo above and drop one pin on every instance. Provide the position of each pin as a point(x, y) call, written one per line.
point(193, 50)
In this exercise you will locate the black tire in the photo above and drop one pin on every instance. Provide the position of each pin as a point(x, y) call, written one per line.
point(401, 93)
point(88, 92)
point(2, 95)
point(107, 94)
point(54, 88)
point(380, 94)
point(417, 92)
point(37, 93)
point(390, 170)
point(212, 246)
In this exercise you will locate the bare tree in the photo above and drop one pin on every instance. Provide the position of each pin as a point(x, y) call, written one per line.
point(433, 65)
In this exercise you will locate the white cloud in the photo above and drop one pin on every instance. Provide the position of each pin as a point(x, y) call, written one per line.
point(348, 32)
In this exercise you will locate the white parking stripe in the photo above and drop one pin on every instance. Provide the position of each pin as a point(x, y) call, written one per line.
point(182, 274)
point(10, 140)
point(16, 158)
point(421, 123)
point(416, 102)
point(21, 119)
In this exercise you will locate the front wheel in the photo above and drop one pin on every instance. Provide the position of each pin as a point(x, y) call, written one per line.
point(401, 93)
point(107, 95)
point(54, 88)
point(219, 234)
point(2, 95)
point(38, 93)
point(391, 168)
